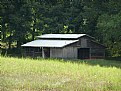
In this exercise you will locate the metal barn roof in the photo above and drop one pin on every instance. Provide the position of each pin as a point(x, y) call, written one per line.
point(74, 36)
point(49, 43)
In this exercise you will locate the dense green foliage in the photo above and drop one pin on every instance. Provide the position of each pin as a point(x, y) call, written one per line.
point(59, 75)
point(22, 20)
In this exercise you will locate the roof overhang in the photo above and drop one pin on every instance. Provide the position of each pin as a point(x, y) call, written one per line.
point(99, 43)
point(49, 43)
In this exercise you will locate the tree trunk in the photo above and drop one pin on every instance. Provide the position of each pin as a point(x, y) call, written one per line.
point(33, 34)
point(18, 44)
point(3, 33)
point(10, 41)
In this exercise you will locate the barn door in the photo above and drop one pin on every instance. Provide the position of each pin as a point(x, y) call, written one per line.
point(83, 53)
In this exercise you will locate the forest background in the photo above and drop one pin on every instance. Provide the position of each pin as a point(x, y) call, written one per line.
point(22, 20)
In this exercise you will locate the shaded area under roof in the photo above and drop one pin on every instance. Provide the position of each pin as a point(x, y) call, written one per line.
point(49, 43)
point(65, 36)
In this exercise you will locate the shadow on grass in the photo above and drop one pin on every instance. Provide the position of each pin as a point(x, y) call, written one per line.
point(93, 62)
point(101, 62)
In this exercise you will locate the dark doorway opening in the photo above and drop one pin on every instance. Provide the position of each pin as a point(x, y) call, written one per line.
point(46, 52)
point(83, 53)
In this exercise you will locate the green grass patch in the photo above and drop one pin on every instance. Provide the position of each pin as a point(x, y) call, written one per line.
point(24, 74)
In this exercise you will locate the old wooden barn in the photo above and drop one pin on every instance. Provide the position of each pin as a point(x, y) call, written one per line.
point(66, 46)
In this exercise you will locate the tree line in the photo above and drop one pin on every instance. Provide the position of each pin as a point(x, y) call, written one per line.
point(22, 20)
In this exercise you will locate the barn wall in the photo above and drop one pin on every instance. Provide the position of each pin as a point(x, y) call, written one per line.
point(56, 53)
point(32, 52)
point(83, 42)
point(92, 44)
point(97, 53)
point(70, 52)
point(96, 50)
point(66, 52)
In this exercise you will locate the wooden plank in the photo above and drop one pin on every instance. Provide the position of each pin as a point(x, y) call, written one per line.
point(56, 53)
point(70, 52)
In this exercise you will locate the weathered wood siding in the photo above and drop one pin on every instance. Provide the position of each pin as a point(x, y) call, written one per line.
point(92, 44)
point(83, 42)
point(32, 52)
point(66, 52)
point(70, 52)
point(96, 50)
point(56, 53)
point(97, 53)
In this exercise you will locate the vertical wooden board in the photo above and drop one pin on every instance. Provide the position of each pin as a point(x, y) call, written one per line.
point(56, 53)
point(63, 53)
point(70, 52)
point(50, 52)
point(66, 52)
point(83, 42)
point(97, 53)
point(75, 52)
point(53, 55)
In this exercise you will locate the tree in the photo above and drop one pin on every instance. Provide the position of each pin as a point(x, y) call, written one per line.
point(22, 20)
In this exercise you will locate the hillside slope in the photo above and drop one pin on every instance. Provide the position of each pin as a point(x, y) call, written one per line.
point(20, 74)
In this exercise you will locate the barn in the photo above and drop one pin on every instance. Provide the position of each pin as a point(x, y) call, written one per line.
point(66, 46)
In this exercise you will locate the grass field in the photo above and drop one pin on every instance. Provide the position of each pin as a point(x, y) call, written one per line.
point(24, 74)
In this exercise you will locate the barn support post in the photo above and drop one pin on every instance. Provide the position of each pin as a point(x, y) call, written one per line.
point(89, 53)
point(43, 55)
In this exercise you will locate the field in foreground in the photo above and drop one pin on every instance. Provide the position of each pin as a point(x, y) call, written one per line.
point(20, 74)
